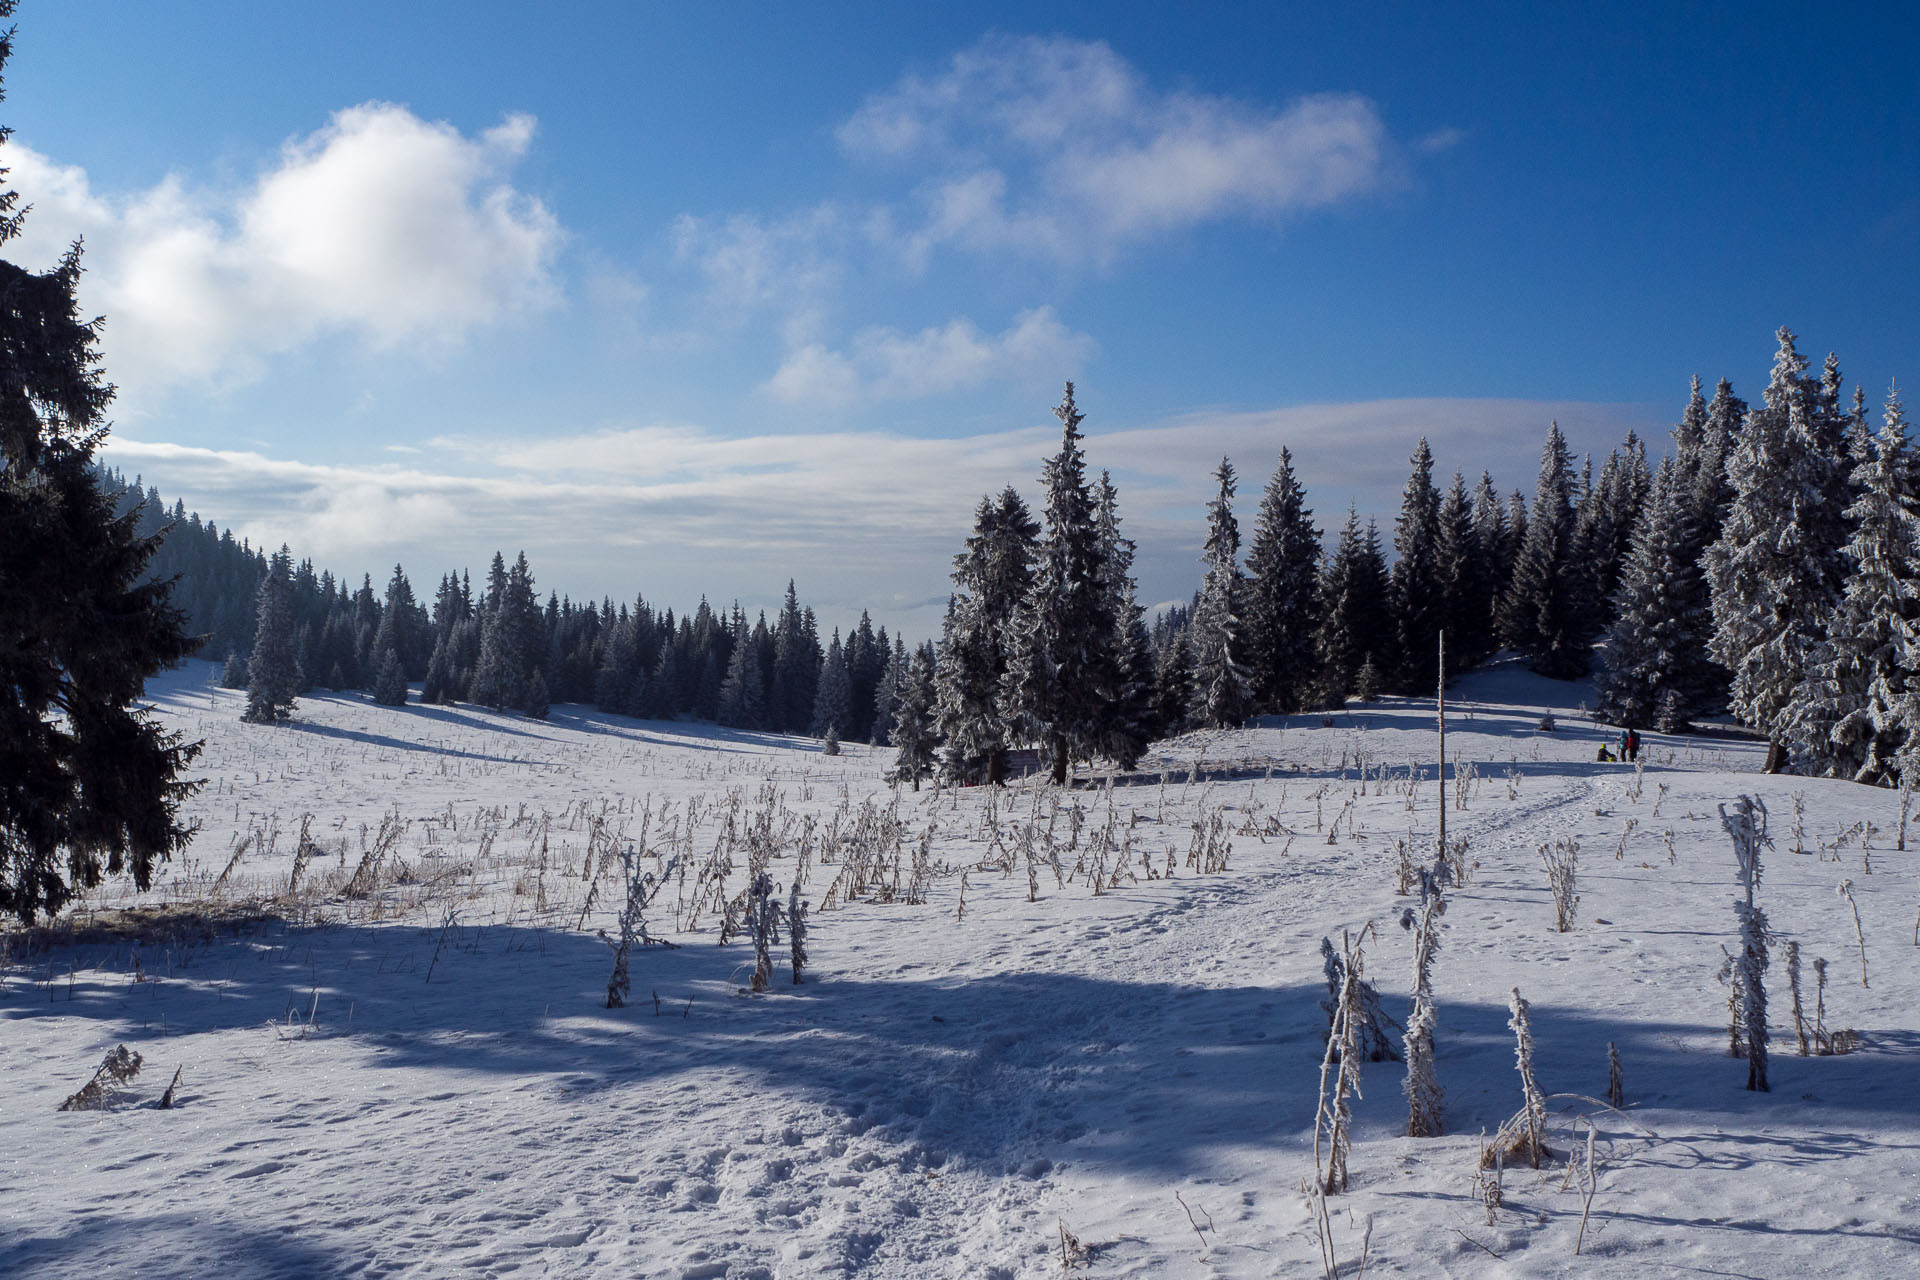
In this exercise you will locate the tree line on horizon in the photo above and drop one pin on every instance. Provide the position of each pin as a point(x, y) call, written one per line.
point(1768, 567)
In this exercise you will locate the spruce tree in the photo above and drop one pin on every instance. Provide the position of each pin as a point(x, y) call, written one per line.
point(390, 686)
point(1354, 620)
point(1493, 540)
point(833, 702)
point(916, 739)
point(1419, 599)
point(89, 783)
point(1129, 725)
point(887, 691)
point(1655, 646)
point(1064, 673)
point(1282, 595)
point(743, 695)
point(991, 577)
point(1173, 684)
point(273, 674)
point(1858, 704)
point(1462, 570)
point(1775, 572)
point(1544, 615)
point(1222, 695)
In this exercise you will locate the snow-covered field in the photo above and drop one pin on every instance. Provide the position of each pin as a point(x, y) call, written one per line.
point(419, 1076)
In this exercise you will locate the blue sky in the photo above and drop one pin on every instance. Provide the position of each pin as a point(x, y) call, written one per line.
point(701, 297)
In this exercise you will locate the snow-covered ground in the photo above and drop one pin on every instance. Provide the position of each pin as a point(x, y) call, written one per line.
point(417, 1074)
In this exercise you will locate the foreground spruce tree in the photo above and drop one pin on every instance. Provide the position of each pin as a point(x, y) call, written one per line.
point(991, 577)
point(273, 672)
point(88, 783)
point(1544, 614)
point(1283, 594)
point(1776, 570)
point(1222, 696)
point(1418, 589)
point(1065, 669)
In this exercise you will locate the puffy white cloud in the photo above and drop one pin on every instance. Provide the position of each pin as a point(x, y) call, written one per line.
point(1059, 147)
point(886, 364)
point(383, 226)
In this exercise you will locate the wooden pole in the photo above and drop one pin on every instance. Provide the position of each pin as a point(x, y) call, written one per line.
point(1440, 708)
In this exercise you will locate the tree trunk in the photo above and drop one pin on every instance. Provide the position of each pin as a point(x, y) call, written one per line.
point(1776, 757)
point(1060, 761)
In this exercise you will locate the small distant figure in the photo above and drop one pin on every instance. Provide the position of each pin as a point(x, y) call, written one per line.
point(1620, 743)
point(1633, 745)
point(1605, 756)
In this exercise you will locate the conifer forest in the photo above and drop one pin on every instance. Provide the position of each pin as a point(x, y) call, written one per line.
point(1519, 882)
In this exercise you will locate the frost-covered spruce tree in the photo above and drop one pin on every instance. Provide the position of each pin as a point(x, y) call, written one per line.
point(1656, 645)
point(1282, 595)
point(390, 686)
point(273, 674)
point(1129, 724)
point(1776, 571)
point(1603, 528)
point(886, 693)
point(1417, 591)
point(1172, 684)
point(1859, 699)
point(991, 577)
point(1461, 567)
point(743, 694)
point(833, 701)
point(1492, 539)
point(1355, 625)
point(1222, 696)
point(916, 738)
point(1543, 615)
point(1064, 672)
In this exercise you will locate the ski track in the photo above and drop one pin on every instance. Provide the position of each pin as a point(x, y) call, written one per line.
point(945, 1095)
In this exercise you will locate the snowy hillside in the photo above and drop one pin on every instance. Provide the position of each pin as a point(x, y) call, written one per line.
point(1028, 1016)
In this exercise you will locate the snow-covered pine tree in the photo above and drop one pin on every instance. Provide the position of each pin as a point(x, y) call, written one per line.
point(991, 577)
point(1354, 621)
point(833, 703)
point(1656, 645)
point(1775, 573)
point(1859, 697)
point(390, 686)
point(1493, 540)
point(1222, 696)
point(1604, 525)
point(1461, 568)
point(1172, 683)
point(886, 693)
point(1282, 595)
point(916, 739)
point(1063, 674)
point(1130, 720)
point(273, 675)
point(1417, 593)
point(1542, 615)
point(536, 702)
point(403, 628)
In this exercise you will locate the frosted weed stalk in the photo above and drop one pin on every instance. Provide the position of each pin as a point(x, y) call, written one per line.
point(1561, 859)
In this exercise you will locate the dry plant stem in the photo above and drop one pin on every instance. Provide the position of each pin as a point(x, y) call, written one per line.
point(1846, 891)
point(1593, 1184)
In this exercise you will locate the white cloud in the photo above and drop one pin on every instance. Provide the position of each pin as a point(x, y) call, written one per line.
point(382, 226)
point(1058, 147)
point(861, 519)
point(886, 364)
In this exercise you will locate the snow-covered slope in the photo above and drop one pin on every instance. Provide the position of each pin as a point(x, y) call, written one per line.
point(420, 1077)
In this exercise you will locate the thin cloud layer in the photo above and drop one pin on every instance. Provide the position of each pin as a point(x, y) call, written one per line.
point(864, 520)
point(381, 226)
point(1061, 149)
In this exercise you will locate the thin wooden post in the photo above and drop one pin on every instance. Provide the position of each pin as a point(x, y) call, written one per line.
point(1440, 708)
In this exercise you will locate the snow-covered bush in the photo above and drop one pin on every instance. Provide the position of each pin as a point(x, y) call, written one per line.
point(1561, 858)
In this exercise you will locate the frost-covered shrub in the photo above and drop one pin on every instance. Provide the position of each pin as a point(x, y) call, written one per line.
point(1371, 1023)
point(1561, 858)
